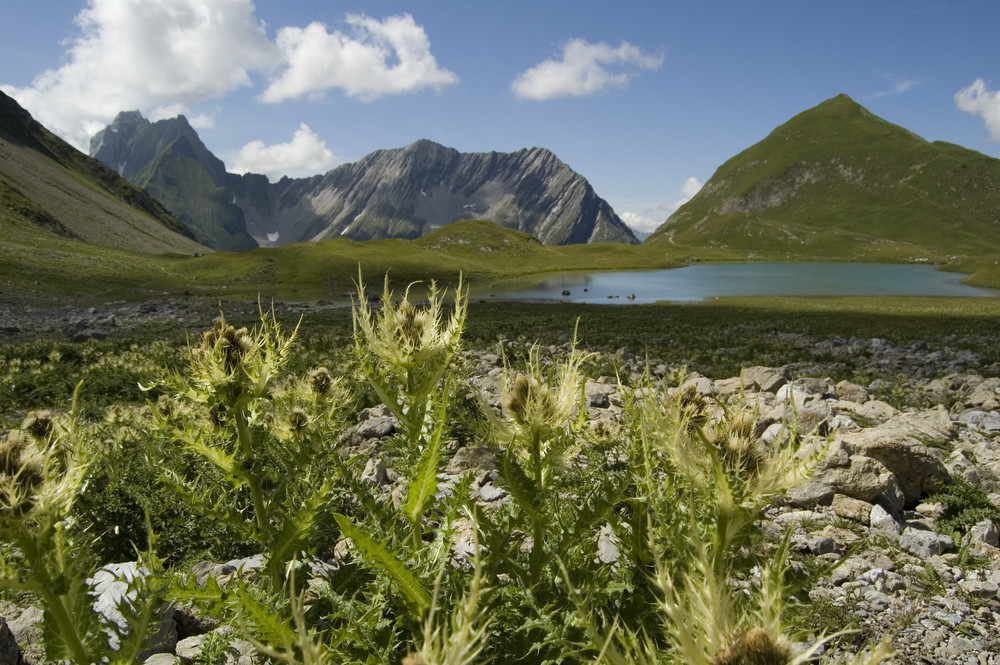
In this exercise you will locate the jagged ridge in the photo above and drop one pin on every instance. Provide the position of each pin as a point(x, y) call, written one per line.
point(399, 193)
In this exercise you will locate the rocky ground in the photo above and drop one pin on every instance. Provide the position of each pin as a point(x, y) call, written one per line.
point(903, 575)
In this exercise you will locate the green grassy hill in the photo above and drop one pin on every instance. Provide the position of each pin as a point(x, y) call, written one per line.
point(837, 182)
point(49, 190)
point(481, 251)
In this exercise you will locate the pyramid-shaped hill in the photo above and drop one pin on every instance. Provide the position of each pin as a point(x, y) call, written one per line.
point(838, 182)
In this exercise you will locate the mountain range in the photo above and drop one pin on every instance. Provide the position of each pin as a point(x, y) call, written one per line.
point(399, 193)
point(834, 182)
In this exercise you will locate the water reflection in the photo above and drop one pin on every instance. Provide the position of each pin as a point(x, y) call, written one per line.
point(703, 281)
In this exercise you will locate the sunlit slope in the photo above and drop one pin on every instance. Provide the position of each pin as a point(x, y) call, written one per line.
point(50, 187)
point(838, 182)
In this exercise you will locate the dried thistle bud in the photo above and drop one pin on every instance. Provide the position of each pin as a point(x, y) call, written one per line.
point(298, 420)
point(694, 406)
point(320, 380)
point(11, 450)
point(38, 424)
point(518, 397)
point(410, 323)
point(744, 456)
point(754, 647)
point(237, 344)
point(218, 415)
point(166, 405)
point(743, 423)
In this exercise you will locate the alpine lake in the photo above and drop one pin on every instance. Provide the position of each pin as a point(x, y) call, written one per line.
point(714, 280)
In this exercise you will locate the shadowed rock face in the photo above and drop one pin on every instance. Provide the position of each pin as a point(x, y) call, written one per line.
point(410, 191)
point(401, 193)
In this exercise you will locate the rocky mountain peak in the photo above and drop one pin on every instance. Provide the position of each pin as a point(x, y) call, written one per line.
point(394, 193)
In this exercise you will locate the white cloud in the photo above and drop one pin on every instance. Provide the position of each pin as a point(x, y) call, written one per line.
point(305, 155)
point(896, 87)
point(163, 57)
point(136, 54)
point(379, 58)
point(977, 100)
point(640, 223)
point(585, 69)
point(652, 217)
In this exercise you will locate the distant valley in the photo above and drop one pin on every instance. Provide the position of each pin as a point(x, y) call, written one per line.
point(835, 182)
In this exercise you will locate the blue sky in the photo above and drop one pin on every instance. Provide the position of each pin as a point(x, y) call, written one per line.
point(644, 99)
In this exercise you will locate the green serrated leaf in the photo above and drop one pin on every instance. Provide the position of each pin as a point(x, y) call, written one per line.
point(518, 484)
point(376, 553)
point(424, 485)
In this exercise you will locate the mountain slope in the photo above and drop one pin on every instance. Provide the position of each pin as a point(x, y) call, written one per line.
point(47, 186)
point(837, 181)
point(401, 193)
point(168, 160)
point(410, 191)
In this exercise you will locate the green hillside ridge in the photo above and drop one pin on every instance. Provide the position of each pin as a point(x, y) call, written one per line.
point(48, 186)
point(44, 265)
point(837, 182)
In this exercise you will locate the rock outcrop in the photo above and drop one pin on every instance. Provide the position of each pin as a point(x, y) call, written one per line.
point(410, 191)
point(399, 193)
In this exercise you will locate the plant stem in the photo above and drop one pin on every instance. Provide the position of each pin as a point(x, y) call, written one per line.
point(259, 509)
point(538, 532)
point(54, 602)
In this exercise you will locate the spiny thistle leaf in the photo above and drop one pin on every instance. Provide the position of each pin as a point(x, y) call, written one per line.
point(521, 488)
point(376, 553)
point(424, 484)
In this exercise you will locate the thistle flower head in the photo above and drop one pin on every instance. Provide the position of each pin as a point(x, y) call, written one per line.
point(539, 400)
point(754, 647)
point(404, 350)
point(320, 380)
point(411, 324)
point(741, 451)
point(234, 344)
point(38, 424)
point(298, 420)
point(693, 406)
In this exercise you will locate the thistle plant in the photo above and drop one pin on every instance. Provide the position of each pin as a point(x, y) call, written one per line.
point(404, 352)
point(263, 441)
point(702, 484)
point(43, 468)
point(539, 433)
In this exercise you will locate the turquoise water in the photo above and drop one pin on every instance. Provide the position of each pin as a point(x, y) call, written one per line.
point(704, 281)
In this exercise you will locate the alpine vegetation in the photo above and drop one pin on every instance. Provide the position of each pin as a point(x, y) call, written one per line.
point(384, 506)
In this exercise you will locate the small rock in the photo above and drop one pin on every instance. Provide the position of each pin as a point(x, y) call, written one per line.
point(853, 509)
point(985, 533)
point(883, 522)
point(851, 392)
point(925, 544)
point(764, 379)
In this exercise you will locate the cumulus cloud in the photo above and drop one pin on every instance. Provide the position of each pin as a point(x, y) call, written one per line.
point(639, 223)
point(650, 219)
point(378, 58)
point(585, 69)
point(977, 100)
point(305, 155)
point(135, 54)
point(164, 57)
